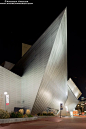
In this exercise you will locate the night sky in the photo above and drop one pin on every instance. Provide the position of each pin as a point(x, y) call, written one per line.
point(25, 23)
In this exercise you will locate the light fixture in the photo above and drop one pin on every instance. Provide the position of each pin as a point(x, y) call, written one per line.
point(5, 93)
point(82, 104)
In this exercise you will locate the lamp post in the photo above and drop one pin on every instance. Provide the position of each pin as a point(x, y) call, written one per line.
point(5, 93)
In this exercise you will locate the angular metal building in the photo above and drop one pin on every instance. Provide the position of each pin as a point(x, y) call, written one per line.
point(39, 79)
point(44, 68)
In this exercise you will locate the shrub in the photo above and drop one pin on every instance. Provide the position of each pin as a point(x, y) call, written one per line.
point(25, 116)
point(19, 115)
point(50, 114)
point(27, 111)
point(16, 115)
point(39, 114)
point(4, 114)
point(29, 115)
point(21, 111)
point(13, 115)
point(44, 114)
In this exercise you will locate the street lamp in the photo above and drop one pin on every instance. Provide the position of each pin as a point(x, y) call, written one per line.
point(5, 93)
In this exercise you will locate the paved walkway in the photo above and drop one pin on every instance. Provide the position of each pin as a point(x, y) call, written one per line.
point(49, 123)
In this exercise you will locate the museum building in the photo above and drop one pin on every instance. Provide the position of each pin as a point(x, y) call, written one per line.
point(39, 79)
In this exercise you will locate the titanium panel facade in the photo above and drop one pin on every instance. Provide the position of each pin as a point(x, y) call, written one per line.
point(71, 101)
point(53, 87)
point(74, 88)
point(35, 63)
point(42, 47)
point(73, 94)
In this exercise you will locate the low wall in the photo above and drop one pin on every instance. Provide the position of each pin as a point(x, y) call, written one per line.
point(12, 120)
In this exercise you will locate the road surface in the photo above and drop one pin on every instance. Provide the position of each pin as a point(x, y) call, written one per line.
point(49, 123)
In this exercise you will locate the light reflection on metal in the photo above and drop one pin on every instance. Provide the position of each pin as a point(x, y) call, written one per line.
point(74, 88)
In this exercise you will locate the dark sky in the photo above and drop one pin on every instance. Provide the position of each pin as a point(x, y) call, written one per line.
point(25, 23)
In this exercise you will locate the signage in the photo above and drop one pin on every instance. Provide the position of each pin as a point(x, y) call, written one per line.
point(7, 99)
point(82, 98)
point(61, 106)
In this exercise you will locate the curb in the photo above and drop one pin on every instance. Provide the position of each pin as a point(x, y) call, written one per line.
point(12, 120)
point(45, 116)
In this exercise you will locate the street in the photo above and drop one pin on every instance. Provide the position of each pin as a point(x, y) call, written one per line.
point(50, 123)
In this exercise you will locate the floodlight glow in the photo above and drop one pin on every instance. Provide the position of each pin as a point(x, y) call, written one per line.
point(71, 113)
point(47, 95)
point(5, 93)
point(82, 104)
point(60, 102)
point(66, 108)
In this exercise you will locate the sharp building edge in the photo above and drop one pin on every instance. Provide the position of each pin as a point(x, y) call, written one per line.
point(53, 87)
point(35, 66)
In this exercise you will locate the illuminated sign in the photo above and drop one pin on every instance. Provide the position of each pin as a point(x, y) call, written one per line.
point(82, 98)
point(7, 99)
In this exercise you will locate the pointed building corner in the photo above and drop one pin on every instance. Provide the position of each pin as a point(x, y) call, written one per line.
point(74, 88)
point(25, 48)
point(55, 74)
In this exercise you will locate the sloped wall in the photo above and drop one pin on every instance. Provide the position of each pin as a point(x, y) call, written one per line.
point(71, 100)
point(53, 87)
point(35, 63)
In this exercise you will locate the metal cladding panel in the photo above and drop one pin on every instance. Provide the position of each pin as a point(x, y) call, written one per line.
point(11, 83)
point(31, 79)
point(35, 64)
point(39, 45)
point(71, 101)
point(53, 87)
point(74, 88)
